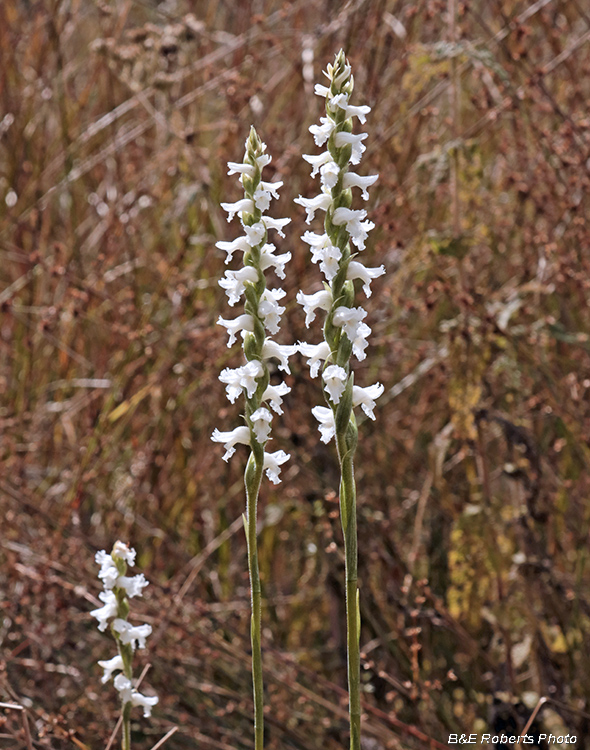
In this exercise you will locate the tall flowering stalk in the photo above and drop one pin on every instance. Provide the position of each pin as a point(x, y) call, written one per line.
point(261, 315)
point(118, 589)
point(345, 333)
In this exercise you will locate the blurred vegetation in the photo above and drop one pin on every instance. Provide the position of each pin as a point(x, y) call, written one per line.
point(117, 118)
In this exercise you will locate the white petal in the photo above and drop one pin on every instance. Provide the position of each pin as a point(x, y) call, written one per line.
point(261, 420)
point(335, 379)
point(274, 395)
point(316, 353)
point(356, 270)
point(133, 635)
point(351, 180)
point(277, 224)
point(236, 168)
point(110, 666)
point(270, 349)
point(229, 439)
point(310, 303)
point(241, 323)
point(327, 426)
point(244, 205)
point(311, 205)
point(240, 243)
point(133, 585)
point(255, 234)
point(365, 397)
point(272, 464)
point(234, 282)
point(317, 161)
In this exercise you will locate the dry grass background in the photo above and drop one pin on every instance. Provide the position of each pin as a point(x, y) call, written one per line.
point(116, 121)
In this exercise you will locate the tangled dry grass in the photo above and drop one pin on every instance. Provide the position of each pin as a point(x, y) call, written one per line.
point(116, 121)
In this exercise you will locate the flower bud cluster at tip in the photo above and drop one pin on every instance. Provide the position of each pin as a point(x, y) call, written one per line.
point(262, 310)
point(118, 588)
point(345, 331)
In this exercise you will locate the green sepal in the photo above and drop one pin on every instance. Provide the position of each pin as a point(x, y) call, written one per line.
point(251, 349)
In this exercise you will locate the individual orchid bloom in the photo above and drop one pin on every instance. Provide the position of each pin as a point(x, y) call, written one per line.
point(335, 379)
point(351, 180)
point(316, 353)
point(322, 202)
point(359, 341)
point(349, 318)
point(110, 666)
point(240, 243)
point(366, 397)
point(236, 168)
point(323, 252)
point(104, 613)
point(264, 192)
point(322, 132)
point(132, 635)
point(329, 174)
point(133, 585)
point(234, 282)
point(282, 352)
point(318, 161)
point(269, 260)
point(343, 139)
point(357, 229)
point(261, 420)
point(255, 233)
point(269, 309)
point(356, 270)
point(245, 205)
point(327, 422)
point(274, 395)
point(272, 464)
point(129, 694)
point(237, 325)
point(277, 224)
point(128, 637)
point(240, 434)
point(311, 302)
point(242, 379)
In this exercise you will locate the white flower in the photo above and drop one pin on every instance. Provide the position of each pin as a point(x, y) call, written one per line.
point(322, 132)
point(270, 349)
point(351, 180)
point(357, 228)
point(272, 464)
point(317, 161)
point(278, 262)
point(311, 205)
point(277, 224)
point(255, 233)
point(356, 270)
point(261, 420)
point(240, 243)
point(365, 397)
point(133, 585)
point(104, 614)
point(145, 701)
point(244, 205)
point(329, 174)
point(241, 323)
point(322, 250)
point(360, 343)
point(234, 282)
point(129, 694)
point(316, 353)
point(351, 111)
point(242, 378)
point(320, 90)
point(327, 426)
point(240, 434)
point(110, 666)
point(264, 192)
point(350, 139)
point(274, 395)
point(349, 318)
point(236, 168)
point(335, 378)
point(269, 309)
point(108, 572)
point(133, 635)
point(124, 552)
point(310, 303)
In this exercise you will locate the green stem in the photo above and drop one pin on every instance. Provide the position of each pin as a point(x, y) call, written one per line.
point(348, 518)
point(126, 743)
point(252, 482)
